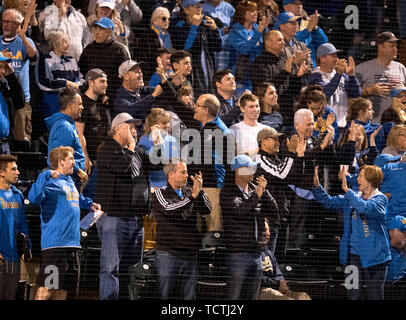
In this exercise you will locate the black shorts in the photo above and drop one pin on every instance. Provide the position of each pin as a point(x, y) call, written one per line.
point(60, 269)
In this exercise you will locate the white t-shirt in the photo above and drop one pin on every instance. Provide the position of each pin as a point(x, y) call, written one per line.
point(246, 137)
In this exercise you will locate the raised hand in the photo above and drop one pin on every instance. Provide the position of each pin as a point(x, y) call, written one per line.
point(341, 66)
point(301, 147)
point(316, 181)
point(292, 143)
point(197, 184)
point(288, 64)
point(210, 23)
point(330, 119)
point(373, 135)
point(350, 70)
point(303, 69)
point(261, 186)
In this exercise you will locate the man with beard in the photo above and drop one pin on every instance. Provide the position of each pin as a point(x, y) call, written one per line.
point(94, 123)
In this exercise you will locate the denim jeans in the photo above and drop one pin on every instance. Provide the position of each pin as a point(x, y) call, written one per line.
point(122, 246)
point(244, 271)
point(373, 278)
point(177, 276)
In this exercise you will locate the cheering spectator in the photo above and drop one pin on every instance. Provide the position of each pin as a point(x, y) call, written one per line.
point(55, 72)
point(365, 242)
point(247, 130)
point(224, 82)
point(378, 76)
point(360, 111)
point(104, 53)
point(396, 142)
point(246, 41)
point(396, 113)
point(15, 45)
point(106, 8)
point(268, 101)
point(245, 205)
point(200, 36)
point(337, 77)
point(62, 16)
point(159, 119)
point(155, 37)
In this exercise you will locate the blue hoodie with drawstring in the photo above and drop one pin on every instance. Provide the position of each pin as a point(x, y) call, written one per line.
point(60, 204)
point(63, 133)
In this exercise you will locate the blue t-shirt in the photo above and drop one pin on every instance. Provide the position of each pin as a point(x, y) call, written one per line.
point(20, 61)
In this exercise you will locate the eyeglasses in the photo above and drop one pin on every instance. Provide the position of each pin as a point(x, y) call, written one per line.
point(165, 18)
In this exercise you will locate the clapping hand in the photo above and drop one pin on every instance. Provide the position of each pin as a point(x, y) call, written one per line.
point(197, 184)
point(330, 119)
point(261, 185)
point(301, 147)
point(292, 143)
point(373, 135)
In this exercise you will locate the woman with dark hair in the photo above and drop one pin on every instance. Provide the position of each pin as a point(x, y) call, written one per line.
point(365, 242)
point(246, 40)
point(360, 111)
point(199, 35)
point(268, 101)
point(314, 99)
point(354, 151)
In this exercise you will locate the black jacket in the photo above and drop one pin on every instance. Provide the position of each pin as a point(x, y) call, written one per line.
point(204, 40)
point(176, 218)
point(239, 216)
point(229, 114)
point(13, 93)
point(122, 180)
point(108, 57)
point(147, 44)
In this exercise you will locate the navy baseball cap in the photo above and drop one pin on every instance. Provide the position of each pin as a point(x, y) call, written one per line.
point(243, 160)
point(105, 23)
point(398, 222)
point(3, 58)
point(285, 17)
point(326, 48)
point(286, 2)
point(188, 3)
point(395, 91)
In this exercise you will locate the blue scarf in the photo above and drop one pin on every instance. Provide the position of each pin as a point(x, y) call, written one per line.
point(163, 35)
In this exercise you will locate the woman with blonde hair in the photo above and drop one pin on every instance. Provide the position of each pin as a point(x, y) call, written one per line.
point(158, 120)
point(396, 141)
point(396, 113)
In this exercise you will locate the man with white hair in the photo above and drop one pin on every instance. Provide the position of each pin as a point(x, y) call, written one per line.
point(22, 51)
point(304, 210)
point(62, 16)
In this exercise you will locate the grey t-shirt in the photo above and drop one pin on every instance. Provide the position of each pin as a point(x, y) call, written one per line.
point(371, 72)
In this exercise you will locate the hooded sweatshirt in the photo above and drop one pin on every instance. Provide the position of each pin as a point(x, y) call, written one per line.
point(63, 133)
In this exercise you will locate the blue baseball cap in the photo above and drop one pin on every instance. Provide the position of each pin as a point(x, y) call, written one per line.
point(395, 91)
point(285, 17)
point(398, 222)
point(286, 2)
point(105, 23)
point(188, 3)
point(326, 48)
point(243, 160)
point(384, 158)
point(3, 58)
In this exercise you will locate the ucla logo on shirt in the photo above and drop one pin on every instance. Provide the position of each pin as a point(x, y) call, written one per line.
point(71, 195)
point(9, 204)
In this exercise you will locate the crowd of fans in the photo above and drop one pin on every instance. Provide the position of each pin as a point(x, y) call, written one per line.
point(190, 117)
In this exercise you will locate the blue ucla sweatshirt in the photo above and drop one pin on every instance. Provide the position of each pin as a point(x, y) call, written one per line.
point(60, 204)
point(12, 220)
point(63, 133)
